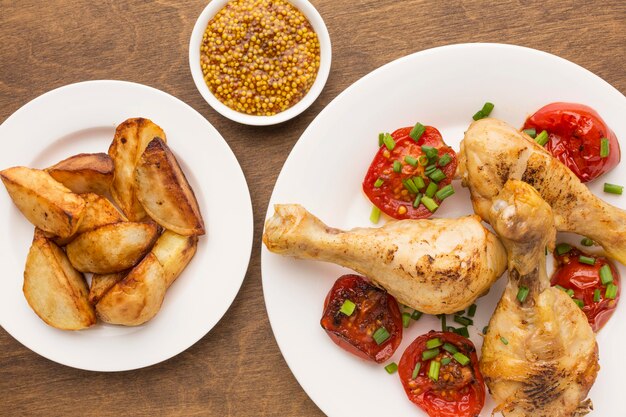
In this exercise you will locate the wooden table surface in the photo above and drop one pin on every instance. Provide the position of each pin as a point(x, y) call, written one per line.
point(237, 369)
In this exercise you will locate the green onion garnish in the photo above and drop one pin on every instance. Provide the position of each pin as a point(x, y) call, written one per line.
point(381, 335)
point(347, 308)
point(446, 361)
point(472, 310)
point(560, 288)
point(433, 343)
point(417, 131)
point(579, 303)
point(613, 188)
point(416, 315)
point(445, 192)
point(418, 200)
point(462, 331)
point(433, 371)
point(416, 370)
point(430, 169)
point(569, 292)
point(444, 326)
point(449, 347)
point(430, 152)
point(461, 358)
point(464, 321)
point(408, 184)
point(397, 166)
point(444, 160)
point(596, 295)
point(410, 160)
point(563, 248)
point(606, 276)
point(430, 353)
point(587, 242)
point(503, 340)
point(604, 148)
point(381, 136)
point(422, 160)
point(586, 260)
point(406, 320)
point(389, 142)
point(437, 175)
point(485, 329)
point(484, 112)
point(531, 132)
point(460, 312)
point(429, 203)
point(611, 291)
point(375, 215)
point(419, 182)
point(431, 190)
point(522, 293)
point(542, 138)
point(391, 368)
point(379, 182)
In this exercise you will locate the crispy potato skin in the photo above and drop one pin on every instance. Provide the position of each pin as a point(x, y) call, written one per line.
point(85, 173)
point(164, 191)
point(54, 289)
point(102, 283)
point(112, 248)
point(45, 202)
point(131, 138)
point(174, 252)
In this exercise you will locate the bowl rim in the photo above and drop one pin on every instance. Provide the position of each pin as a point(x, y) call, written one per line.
point(313, 16)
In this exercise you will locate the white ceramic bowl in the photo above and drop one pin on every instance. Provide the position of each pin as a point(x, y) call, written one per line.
point(322, 75)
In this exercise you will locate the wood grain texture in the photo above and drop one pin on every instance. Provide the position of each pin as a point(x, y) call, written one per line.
point(237, 369)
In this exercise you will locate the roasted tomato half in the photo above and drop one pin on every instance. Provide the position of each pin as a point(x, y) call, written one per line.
point(439, 372)
point(578, 137)
point(399, 178)
point(592, 281)
point(363, 319)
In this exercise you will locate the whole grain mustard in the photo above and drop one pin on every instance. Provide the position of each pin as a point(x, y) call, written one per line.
point(259, 57)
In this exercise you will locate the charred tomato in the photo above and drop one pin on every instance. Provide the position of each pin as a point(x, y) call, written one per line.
point(363, 319)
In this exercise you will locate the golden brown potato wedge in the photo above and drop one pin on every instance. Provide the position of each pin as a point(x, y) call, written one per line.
point(174, 252)
point(85, 173)
point(111, 248)
point(54, 289)
point(165, 193)
point(45, 202)
point(137, 298)
point(101, 284)
point(131, 138)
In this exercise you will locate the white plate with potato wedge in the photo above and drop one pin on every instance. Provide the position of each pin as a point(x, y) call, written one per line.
point(127, 226)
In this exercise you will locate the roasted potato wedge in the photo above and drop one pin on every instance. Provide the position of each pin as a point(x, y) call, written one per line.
point(111, 248)
point(54, 289)
point(101, 284)
point(45, 202)
point(174, 252)
point(85, 173)
point(130, 140)
point(138, 297)
point(164, 191)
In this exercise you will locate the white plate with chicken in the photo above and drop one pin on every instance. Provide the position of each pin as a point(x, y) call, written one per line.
point(140, 270)
point(454, 267)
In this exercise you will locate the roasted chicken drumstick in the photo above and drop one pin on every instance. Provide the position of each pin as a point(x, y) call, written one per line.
point(434, 266)
point(539, 357)
point(493, 152)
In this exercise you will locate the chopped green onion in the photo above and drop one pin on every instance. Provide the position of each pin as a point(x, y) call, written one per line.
point(542, 138)
point(462, 331)
point(485, 329)
point(418, 199)
point(347, 308)
point(613, 188)
point(461, 358)
point(449, 347)
point(429, 203)
point(503, 340)
point(417, 131)
point(611, 291)
point(410, 160)
point(391, 368)
point(444, 160)
point(389, 142)
point(430, 169)
point(560, 288)
point(437, 175)
point(531, 132)
point(445, 192)
point(431, 190)
point(569, 292)
point(579, 303)
point(433, 371)
point(430, 353)
point(446, 361)
point(587, 242)
point(464, 321)
point(430, 152)
point(433, 343)
point(375, 215)
point(451, 329)
point(460, 312)
point(408, 184)
point(397, 166)
point(406, 320)
point(380, 139)
point(381, 335)
point(563, 248)
point(586, 260)
point(604, 148)
point(416, 315)
point(419, 182)
point(472, 310)
point(484, 112)
point(379, 182)
point(416, 370)
point(606, 276)
point(596, 295)
point(444, 326)
point(422, 160)
point(522, 293)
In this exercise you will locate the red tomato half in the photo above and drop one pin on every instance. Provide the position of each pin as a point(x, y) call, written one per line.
point(575, 132)
point(584, 280)
point(374, 309)
point(392, 197)
point(459, 390)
